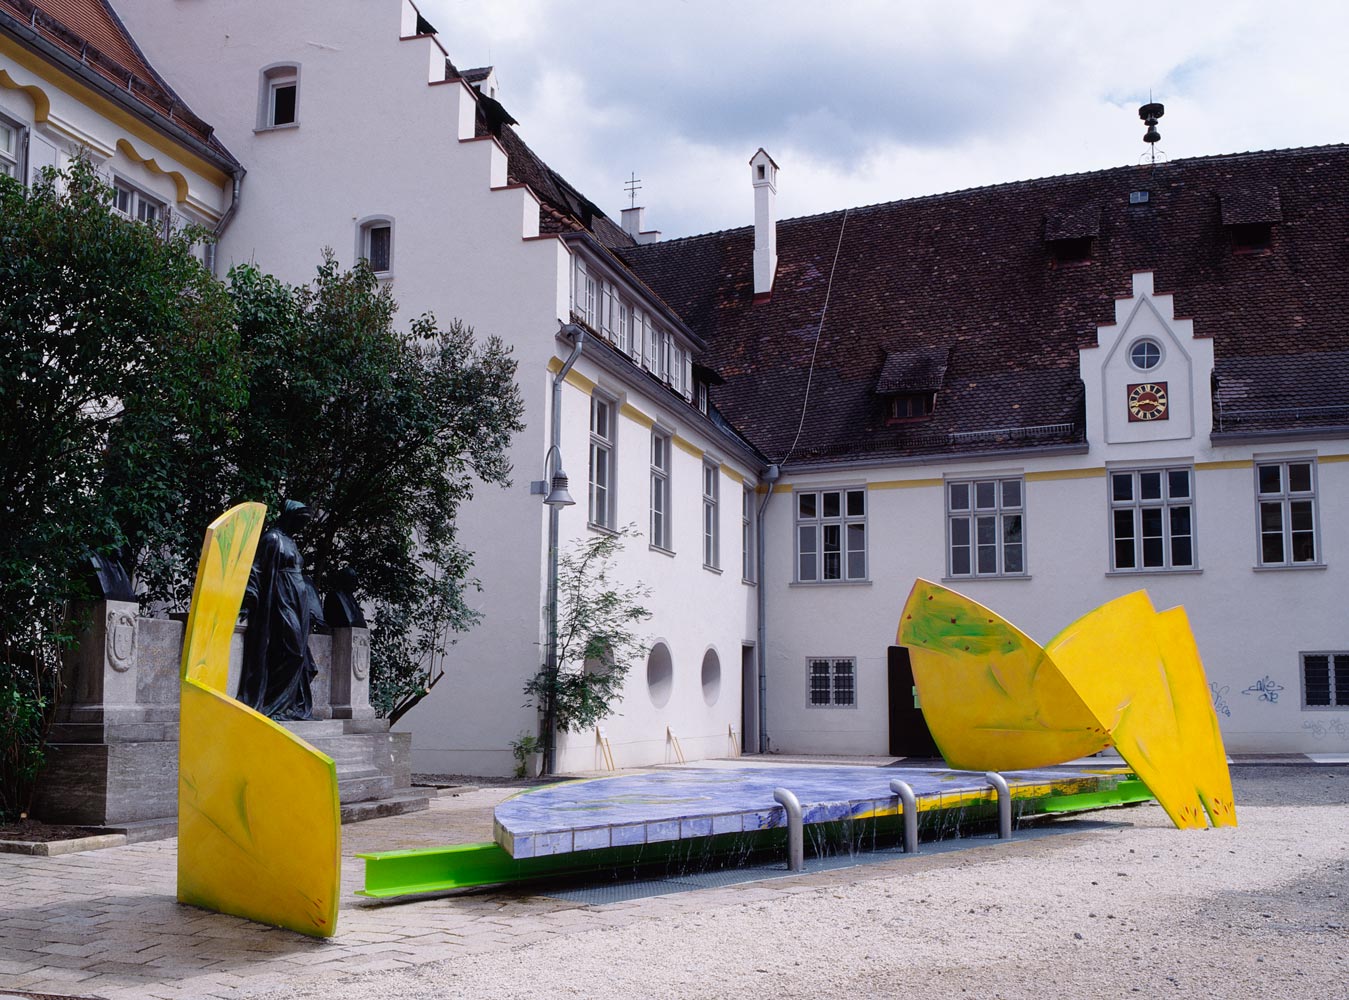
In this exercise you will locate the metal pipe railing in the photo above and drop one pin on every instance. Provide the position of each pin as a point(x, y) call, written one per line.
point(1004, 803)
point(910, 801)
point(796, 835)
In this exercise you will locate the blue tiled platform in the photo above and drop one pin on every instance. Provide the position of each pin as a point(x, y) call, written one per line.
point(690, 803)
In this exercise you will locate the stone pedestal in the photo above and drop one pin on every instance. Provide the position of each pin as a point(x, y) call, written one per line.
point(113, 750)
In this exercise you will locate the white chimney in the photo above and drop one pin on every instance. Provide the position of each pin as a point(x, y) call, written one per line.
point(634, 220)
point(764, 176)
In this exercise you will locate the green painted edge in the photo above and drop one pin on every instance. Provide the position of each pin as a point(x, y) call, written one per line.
point(1125, 793)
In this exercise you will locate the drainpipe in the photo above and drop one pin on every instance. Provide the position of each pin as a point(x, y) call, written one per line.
point(770, 476)
point(219, 229)
point(555, 453)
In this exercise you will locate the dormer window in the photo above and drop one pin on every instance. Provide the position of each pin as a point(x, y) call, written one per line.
point(1251, 237)
point(1249, 214)
point(909, 406)
point(1069, 232)
point(1076, 251)
point(909, 382)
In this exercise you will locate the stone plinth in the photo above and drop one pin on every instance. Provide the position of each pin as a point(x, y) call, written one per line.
point(113, 750)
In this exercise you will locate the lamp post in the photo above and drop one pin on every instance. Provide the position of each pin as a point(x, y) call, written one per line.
point(554, 486)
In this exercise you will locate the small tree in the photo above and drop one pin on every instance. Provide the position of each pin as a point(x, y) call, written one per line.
point(384, 435)
point(597, 637)
point(118, 376)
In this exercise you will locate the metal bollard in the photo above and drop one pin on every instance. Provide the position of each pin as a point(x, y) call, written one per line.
point(1004, 803)
point(796, 836)
point(906, 796)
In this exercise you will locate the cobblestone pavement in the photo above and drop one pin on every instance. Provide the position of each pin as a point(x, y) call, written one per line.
point(106, 923)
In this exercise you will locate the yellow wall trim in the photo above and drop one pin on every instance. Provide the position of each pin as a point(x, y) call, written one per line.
point(688, 447)
point(903, 484)
point(1233, 463)
point(1053, 474)
point(92, 99)
point(149, 162)
point(732, 474)
point(636, 415)
point(1331, 459)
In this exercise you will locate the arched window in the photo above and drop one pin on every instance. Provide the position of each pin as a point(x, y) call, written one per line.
point(374, 242)
point(279, 96)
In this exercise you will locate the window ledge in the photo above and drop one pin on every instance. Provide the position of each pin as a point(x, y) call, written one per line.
point(661, 549)
point(747, 581)
point(1295, 567)
point(830, 583)
point(986, 579)
point(276, 128)
point(825, 708)
point(712, 569)
point(601, 528)
point(1154, 572)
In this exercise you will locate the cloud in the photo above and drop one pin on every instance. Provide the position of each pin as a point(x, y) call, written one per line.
point(868, 100)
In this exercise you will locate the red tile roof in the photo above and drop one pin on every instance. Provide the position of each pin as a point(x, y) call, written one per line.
point(91, 32)
point(969, 272)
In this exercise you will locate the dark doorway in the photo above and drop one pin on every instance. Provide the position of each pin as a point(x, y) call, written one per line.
point(909, 736)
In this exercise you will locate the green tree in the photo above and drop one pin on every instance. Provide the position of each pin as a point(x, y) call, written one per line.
point(384, 434)
point(597, 637)
point(119, 373)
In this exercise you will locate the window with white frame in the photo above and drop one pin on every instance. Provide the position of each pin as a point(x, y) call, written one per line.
point(831, 682)
point(747, 534)
point(1152, 519)
point(375, 243)
point(279, 96)
point(11, 148)
point(602, 411)
point(624, 326)
point(136, 204)
point(1325, 679)
point(1286, 499)
point(660, 489)
point(711, 520)
point(648, 344)
point(831, 535)
point(985, 521)
point(608, 314)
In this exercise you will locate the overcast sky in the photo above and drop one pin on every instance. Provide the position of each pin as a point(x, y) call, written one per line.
point(864, 102)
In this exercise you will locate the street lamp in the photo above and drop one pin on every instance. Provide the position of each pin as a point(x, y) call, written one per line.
point(557, 497)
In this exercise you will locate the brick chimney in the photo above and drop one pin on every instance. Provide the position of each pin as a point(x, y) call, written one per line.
point(764, 176)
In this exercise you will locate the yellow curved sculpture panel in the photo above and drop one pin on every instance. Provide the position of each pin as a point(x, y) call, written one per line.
point(1122, 675)
point(259, 825)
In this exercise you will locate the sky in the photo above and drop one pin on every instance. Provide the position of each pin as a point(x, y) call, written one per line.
point(867, 101)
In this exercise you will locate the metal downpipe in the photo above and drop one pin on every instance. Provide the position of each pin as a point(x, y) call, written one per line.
point(771, 476)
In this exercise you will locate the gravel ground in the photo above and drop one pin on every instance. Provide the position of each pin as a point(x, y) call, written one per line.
point(1260, 911)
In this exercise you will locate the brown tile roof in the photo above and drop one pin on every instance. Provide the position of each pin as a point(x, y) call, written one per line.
point(564, 207)
point(913, 371)
point(969, 272)
point(91, 32)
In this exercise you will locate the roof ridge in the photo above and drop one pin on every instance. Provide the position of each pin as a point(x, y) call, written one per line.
point(1006, 185)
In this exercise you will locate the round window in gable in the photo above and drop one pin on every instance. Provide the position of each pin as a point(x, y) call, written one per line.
point(1145, 354)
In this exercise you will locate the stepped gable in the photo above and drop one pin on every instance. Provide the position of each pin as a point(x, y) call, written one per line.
point(91, 32)
point(978, 274)
point(564, 208)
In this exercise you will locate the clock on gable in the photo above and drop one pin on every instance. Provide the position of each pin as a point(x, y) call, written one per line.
point(1147, 401)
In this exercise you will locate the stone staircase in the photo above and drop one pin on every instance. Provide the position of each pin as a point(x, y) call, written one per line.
point(374, 766)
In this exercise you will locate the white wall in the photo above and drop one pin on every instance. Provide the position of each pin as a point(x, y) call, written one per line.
point(694, 609)
point(1249, 622)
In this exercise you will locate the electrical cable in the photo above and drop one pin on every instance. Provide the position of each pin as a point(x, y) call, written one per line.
point(824, 311)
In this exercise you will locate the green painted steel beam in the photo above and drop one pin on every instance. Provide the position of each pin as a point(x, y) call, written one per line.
point(1123, 794)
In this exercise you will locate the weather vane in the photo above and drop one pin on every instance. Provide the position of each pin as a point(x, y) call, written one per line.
point(632, 185)
point(1150, 113)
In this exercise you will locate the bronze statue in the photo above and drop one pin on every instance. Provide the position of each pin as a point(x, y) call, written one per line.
point(340, 608)
point(277, 667)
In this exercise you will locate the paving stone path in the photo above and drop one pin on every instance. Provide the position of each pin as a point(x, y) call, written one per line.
point(105, 923)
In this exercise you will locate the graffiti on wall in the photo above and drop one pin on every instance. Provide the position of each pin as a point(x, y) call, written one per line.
point(1265, 689)
point(1332, 727)
point(1220, 699)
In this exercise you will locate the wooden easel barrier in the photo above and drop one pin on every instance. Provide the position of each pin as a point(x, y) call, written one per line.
point(602, 738)
point(674, 741)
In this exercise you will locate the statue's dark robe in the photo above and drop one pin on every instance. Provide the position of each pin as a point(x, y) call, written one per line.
point(277, 667)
